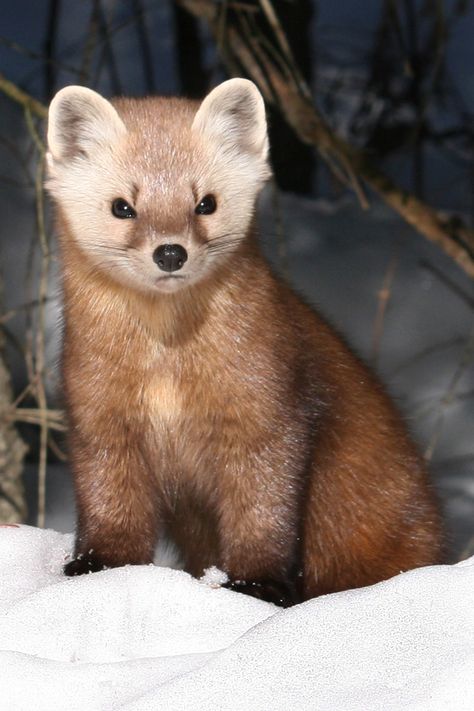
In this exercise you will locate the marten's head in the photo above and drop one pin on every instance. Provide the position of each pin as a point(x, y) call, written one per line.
point(157, 192)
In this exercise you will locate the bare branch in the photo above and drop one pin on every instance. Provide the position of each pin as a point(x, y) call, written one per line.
point(40, 344)
point(456, 240)
point(384, 296)
point(22, 98)
point(450, 395)
point(55, 419)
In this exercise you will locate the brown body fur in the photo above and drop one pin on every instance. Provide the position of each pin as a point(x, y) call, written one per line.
point(235, 420)
point(241, 431)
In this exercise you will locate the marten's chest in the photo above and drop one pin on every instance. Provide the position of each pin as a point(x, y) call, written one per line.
point(195, 396)
point(200, 405)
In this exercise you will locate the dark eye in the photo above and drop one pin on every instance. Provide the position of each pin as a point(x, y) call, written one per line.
point(121, 208)
point(207, 205)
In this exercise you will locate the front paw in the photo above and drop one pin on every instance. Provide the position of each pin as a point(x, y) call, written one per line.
point(84, 563)
point(280, 593)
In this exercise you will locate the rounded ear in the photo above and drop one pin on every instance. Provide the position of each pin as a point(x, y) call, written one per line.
point(233, 115)
point(79, 119)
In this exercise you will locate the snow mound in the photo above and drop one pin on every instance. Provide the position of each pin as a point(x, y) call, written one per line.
point(145, 637)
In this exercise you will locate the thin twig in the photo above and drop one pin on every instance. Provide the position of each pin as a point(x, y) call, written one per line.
point(38, 56)
point(55, 448)
point(89, 46)
point(383, 298)
point(274, 23)
point(144, 45)
point(450, 395)
point(40, 345)
point(467, 551)
point(10, 500)
point(23, 162)
point(22, 98)
point(424, 353)
point(425, 404)
point(448, 283)
point(54, 18)
point(8, 315)
point(41, 148)
point(24, 394)
point(288, 68)
point(221, 27)
point(37, 416)
point(12, 183)
point(108, 53)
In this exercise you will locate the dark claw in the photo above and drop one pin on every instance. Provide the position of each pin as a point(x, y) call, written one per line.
point(280, 593)
point(83, 564)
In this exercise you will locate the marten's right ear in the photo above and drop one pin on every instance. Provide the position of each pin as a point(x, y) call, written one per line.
point(80, 120)
point(233, 117)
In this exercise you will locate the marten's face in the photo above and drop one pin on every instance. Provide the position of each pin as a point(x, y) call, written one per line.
point(157, 192)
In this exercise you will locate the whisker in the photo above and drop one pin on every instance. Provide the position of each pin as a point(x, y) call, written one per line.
point(223, 247)
point(107, 248)
point(239, 234)
point(224, 250)
point(223, 239)
point(221, 242)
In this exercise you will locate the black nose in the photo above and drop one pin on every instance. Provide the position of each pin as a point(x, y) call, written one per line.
point(170, 257)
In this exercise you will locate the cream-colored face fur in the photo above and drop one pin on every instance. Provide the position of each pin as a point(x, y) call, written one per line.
point(162, 156)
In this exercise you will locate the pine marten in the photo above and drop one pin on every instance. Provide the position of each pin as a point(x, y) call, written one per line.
point(206, 401)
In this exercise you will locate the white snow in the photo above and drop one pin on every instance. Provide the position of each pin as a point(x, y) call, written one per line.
point(146, 637)
point(214, 577)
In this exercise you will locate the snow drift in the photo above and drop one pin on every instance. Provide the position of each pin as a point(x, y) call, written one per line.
point(146, 637)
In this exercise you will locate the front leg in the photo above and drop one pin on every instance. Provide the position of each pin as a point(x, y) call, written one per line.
point(281, 593)
point(259, 533)
point(117, 507)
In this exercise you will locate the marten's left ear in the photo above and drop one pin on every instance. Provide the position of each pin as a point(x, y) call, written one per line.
point(233, 117)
